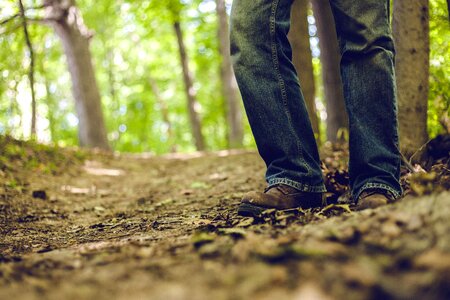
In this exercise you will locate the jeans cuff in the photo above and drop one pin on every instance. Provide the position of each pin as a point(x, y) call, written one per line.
point(370, 185)
point(304, 187)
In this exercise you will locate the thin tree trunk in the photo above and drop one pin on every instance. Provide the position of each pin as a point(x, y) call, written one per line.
point(337, 120)
point(111, 77)
point(302, 59)
point(164, 111)
point(75, 40)
point(115, 103)
point(411, 33)
point(50, 101)
point(230, 89)
point(31, 70)
point(13, 106)
point(190, 91)
point(448, 9)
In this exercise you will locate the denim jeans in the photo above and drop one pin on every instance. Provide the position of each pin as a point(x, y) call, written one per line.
point(276, 110)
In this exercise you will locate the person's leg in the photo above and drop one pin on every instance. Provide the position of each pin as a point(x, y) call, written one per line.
point(275, 107)
point(367, 69)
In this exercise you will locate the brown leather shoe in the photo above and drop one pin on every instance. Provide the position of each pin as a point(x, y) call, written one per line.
point(279, 196)
point(374, 198)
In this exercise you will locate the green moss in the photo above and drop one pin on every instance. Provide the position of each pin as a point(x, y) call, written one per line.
point(30, 155)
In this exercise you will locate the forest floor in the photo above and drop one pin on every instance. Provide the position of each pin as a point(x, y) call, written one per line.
point(103, 226)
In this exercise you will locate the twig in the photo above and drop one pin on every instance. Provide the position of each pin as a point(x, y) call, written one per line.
point(31, 71)
point(407, 164)
point(419, 150)
point(9, 19)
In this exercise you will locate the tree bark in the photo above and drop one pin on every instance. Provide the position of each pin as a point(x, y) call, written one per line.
point(164, 111)
point(190, 91)
point(230, 91)
point(448, 9)
point(337, 120)
point(302, 59)
point(31, 70)
point(75, 40)
point(411, 33)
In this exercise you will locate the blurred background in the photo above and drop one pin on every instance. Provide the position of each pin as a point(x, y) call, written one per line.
point(155, 76)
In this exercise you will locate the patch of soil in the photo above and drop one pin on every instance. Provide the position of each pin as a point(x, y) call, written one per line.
point(130, 227)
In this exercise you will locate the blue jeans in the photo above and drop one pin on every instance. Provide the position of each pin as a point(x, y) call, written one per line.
point(262, 60)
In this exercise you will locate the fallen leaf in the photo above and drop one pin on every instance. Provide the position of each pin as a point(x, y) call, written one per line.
point(201, 238)
point(234, 232)
point(246, 222)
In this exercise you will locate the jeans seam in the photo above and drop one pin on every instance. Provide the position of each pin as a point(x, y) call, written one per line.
point(304, 187)
point(280, 79)
point(387, 11)
point(371, 185)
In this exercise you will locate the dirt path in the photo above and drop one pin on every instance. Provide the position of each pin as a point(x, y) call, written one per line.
point(166, 228)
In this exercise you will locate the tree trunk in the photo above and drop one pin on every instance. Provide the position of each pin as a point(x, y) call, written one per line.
point(337, 119)
point(75, 40)
point(190, 91)
point(448, 9)
point(302, 59)
point(230, 89)
point(31, 70)
point(13, 109)
point(411, 33)
point(51, 105)
point(111, 77)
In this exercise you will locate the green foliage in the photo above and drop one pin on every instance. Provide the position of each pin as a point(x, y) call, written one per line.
point(135, 44)
point(439, 95)
point(16, 155)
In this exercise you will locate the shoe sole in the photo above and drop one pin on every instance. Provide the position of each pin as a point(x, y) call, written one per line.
point(362, 205)
point(250, 210)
